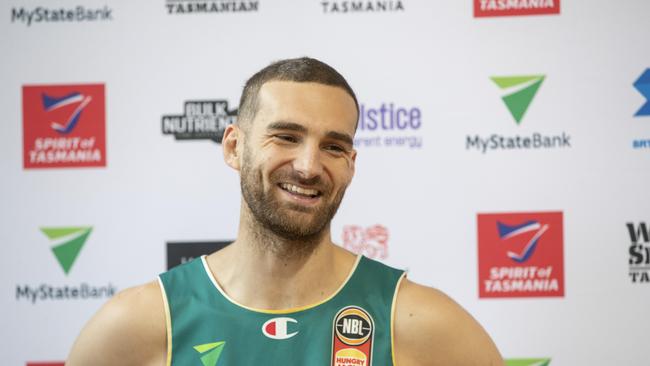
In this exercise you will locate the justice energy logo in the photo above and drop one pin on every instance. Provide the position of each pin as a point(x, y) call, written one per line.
point(518, 94)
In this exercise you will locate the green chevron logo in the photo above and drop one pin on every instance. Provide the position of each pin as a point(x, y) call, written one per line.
point(528, 362)
point(212, 352)
point(67, 243)
point(519, 92)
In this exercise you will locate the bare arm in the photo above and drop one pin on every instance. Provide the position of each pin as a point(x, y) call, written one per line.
point(432, 330)
point(128, 330)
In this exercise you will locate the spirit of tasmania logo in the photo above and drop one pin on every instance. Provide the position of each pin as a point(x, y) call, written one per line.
point(371, 241)
point(64, 126)
point(521, 255)
point(639, 251)
point(500, 8)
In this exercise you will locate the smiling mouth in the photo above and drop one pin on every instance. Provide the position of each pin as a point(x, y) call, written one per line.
point(300, 191)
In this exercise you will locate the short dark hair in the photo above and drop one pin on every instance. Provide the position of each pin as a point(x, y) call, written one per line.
point(302, 69)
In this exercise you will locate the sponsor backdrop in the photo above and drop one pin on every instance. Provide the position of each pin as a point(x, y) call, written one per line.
point(504, 155)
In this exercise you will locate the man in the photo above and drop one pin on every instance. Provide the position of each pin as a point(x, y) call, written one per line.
point(283, 293)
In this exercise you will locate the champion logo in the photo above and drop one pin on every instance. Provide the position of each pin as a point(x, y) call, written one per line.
point(278, 328)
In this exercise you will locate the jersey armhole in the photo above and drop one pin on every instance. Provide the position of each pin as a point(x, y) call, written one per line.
point(168, 323)
point(392, 319)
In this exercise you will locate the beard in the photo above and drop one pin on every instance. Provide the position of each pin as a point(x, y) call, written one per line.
point(287, 220)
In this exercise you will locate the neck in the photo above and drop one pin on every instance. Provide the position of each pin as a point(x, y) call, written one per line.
point(265, 271)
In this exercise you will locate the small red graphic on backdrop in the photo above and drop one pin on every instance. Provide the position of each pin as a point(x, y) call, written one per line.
point(504, 8)
point(64, 126)
point(371, 242)
point(45, 363)
point(521, 255)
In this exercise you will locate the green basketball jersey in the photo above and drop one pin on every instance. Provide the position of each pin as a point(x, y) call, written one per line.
point(351, 328)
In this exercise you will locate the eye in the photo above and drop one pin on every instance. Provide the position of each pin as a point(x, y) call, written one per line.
point(335, 148)
point(286, 138)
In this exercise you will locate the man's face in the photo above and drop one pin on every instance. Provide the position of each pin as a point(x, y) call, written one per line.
point(298, 157)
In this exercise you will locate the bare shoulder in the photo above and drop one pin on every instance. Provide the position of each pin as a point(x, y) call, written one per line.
point(128, 330)
point(431, 329)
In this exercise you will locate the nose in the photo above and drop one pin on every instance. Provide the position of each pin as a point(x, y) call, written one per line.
point(308, 162)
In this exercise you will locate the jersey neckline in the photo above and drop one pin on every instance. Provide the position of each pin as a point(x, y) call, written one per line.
point(223, 293)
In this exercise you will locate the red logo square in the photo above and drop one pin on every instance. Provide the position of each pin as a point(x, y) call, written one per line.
point(521, 255)
point(501, 8)
point(64, 126)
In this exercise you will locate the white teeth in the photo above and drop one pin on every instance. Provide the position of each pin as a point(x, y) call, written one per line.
point(299, 190)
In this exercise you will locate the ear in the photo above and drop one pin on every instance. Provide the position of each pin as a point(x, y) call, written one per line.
point(353, 160)
point(231, 143)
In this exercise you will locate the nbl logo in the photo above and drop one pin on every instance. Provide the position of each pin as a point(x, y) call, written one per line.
point(353, 326)
point(352, 337)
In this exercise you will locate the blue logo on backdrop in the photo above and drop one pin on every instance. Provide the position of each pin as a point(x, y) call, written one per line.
point(389, 125)
point(643, 86)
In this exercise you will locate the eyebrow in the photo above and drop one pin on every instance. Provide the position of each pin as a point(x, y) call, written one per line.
point(292, 126)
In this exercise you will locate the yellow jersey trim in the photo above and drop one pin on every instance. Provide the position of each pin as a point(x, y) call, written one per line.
point(392, 319)
point(281, 311)
point(168, 323)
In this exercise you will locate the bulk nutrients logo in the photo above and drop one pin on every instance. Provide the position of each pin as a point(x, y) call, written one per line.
point(66, 244)
point(639, 251)
point(521, 255)
point(371, 241)
point(201, 120)
point(210, 6)
point(64, 126)
point(183, 252)
point(365, 6)
point(60, 15)
point(518, 95)
point(210, 352)
point(528, 362)
point(642, 84)
point(388, 125)
point(499, 8)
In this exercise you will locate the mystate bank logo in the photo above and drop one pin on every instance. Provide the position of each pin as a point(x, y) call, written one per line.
point(521, 255)
point(201, 120)
point(64, 126)
point(501, 8)
point(389, 125)
point(528, 362)
point(370, 241)
point(518, 93)
point(66, 244)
